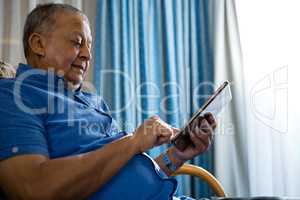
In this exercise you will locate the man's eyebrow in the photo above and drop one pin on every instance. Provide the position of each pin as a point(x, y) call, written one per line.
point(77, 33)
point(88, 38)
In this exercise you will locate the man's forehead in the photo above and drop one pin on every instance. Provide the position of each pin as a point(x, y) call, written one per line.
point(75, 23)
point(73, 18)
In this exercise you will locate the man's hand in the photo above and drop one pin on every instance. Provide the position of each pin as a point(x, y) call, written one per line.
point(201, 134)
point(153, 132)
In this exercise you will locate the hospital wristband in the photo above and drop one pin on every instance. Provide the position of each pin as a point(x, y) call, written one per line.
point(168, 163)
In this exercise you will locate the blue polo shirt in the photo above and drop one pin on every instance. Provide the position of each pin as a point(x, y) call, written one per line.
point(40, 115)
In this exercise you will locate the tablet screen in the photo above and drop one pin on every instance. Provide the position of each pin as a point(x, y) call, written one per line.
point(214, 104)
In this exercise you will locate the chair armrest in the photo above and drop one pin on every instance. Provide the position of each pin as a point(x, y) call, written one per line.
point(204, 175)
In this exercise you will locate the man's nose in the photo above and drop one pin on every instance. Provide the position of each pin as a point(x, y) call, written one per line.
point(85, 52)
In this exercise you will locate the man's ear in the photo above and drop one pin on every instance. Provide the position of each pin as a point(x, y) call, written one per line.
point(37, 44)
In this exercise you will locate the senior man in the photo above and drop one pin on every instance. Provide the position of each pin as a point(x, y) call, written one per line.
point(47, 148)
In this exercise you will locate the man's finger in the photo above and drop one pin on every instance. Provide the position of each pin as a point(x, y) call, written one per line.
point(205, 126)
point(211, 120)
point(175, 131)
point(162, 140)
point(198, 142)
point(205, 137)
point(195, 123)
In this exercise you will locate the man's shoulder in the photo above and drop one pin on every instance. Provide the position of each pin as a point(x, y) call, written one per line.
point(12, 84)
point(6, 84)
point(12, 90)
point(7, 81)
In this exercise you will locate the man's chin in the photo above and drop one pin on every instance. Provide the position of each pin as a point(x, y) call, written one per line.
point(73, 86)
point(74, 82)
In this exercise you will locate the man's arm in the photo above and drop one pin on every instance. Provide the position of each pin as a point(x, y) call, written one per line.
point(76, 177)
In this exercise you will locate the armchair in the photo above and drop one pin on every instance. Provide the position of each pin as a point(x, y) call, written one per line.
point(203, 174)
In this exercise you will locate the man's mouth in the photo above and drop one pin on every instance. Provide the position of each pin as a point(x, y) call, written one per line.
point(80, 67)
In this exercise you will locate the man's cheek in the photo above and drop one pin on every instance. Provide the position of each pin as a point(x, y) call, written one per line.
point(87, 70)
point(68, 63)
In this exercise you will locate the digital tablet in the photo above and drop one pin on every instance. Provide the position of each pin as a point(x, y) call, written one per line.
point(214, 104)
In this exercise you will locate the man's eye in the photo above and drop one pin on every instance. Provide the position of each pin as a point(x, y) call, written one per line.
point(76, 43)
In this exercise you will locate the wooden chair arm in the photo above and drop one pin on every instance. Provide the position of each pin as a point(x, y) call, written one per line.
point(204, 175)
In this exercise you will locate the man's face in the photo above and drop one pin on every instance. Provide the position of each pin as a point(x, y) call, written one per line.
point(68, 47)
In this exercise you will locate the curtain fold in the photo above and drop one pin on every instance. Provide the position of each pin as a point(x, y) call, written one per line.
point(155, 58)
point(231, 142)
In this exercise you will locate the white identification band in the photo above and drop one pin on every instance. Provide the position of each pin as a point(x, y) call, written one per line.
point(168, 163)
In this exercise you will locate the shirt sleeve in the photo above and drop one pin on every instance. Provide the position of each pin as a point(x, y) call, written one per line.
point(21, 131)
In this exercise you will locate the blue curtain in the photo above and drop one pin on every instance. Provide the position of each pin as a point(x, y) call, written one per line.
point(155, 58)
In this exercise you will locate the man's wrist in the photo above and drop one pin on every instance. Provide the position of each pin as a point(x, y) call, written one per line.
point(171, 161)
point(176, 159)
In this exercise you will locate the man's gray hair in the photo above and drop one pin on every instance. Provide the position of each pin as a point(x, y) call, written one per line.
point(42, 18)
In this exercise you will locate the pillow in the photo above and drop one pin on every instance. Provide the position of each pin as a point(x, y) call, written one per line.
point(7, 70)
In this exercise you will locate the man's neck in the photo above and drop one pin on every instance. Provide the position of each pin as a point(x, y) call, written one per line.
point(35, 63)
